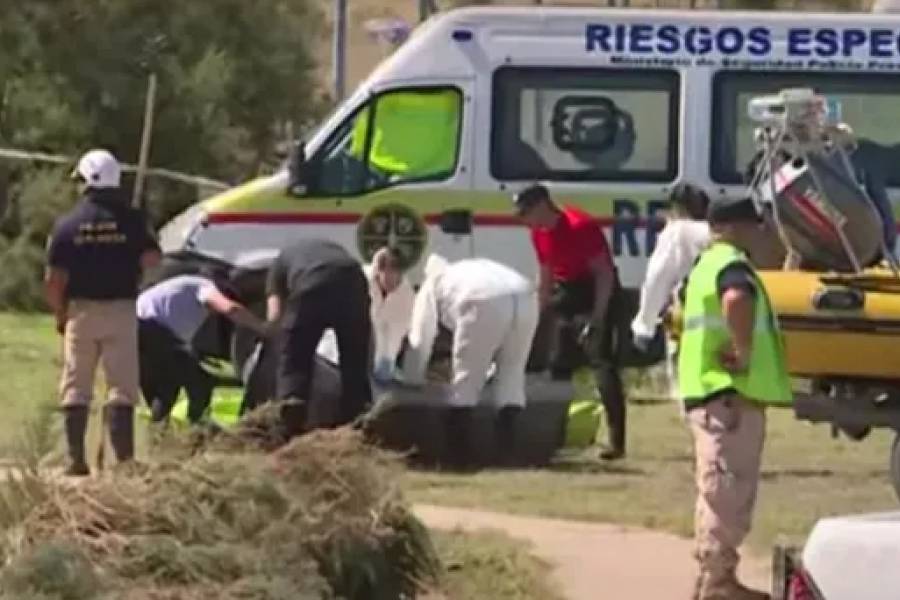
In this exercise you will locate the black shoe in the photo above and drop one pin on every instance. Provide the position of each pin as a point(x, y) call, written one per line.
point(77, 470)
point(76, 422)
point(611, 454)
point(121, 432)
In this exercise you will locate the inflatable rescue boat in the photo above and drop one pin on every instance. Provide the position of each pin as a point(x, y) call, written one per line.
point(840, 314)
point(838, 297)
point(839, 326)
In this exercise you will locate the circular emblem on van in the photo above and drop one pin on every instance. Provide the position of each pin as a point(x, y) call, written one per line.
point(392, 225)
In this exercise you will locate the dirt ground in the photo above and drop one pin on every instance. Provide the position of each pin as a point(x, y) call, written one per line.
point(591, 560)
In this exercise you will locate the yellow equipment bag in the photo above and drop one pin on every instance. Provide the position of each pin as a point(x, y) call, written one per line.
point(585, 410)
point(223, 410)
point(583, 423)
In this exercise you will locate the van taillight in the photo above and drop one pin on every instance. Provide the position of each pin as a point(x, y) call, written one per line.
point(800, 587)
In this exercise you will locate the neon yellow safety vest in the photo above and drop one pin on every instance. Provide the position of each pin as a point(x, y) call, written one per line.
point(416, 134)
point(700, 371)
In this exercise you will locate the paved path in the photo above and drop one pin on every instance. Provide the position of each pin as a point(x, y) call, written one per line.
point(593, 561)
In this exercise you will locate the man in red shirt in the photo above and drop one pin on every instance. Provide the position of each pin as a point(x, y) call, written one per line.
point(578, 281)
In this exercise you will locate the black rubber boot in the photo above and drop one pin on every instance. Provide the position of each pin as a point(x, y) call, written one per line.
point(76, 422)
point(458, 427)
point(121, 432)
point(505, 433)
point(613, 398)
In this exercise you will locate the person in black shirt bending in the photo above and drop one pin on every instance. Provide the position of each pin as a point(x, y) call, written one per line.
point(96, 255)
point(316, 285)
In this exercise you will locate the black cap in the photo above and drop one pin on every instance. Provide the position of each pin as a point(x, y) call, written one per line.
point(691, 198)
point(732, 210)
point(530, 197)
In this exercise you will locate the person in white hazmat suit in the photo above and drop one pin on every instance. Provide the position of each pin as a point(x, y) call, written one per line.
point(492, 312)
point(681, 241)
point(392, 302)
point(685, 235)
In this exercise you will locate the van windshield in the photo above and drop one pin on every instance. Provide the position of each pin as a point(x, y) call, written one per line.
point(401, 136)
point(870, 104)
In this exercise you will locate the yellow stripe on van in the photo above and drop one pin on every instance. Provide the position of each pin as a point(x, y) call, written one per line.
point(265, 195)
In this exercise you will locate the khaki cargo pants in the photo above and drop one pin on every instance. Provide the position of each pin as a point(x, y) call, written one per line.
point(104, 332)
point(728, 440)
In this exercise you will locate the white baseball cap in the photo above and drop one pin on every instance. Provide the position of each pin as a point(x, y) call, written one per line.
point(99, 169)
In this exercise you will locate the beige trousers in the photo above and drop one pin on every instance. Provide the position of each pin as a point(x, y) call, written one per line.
point(104, 332)
point(728, 441)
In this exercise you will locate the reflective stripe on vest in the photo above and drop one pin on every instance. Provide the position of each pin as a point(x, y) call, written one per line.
point(705, 335)
point(712, 322)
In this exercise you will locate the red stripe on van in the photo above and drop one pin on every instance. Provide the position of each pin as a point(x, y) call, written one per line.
point(267, 218)
point(336, 218)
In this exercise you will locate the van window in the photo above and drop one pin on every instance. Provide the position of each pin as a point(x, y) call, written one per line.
point(869, 104)
point(584, 124)
point(399, 137)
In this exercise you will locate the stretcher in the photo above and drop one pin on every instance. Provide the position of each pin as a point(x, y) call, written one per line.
point(409, 419)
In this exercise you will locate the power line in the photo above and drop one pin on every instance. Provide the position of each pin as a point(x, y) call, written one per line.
point(59, 159)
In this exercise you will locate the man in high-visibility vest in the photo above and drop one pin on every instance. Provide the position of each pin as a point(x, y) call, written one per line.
point(731, 367)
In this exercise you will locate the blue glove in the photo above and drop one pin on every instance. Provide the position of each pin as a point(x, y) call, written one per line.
point(641, 343)
point(384, 371)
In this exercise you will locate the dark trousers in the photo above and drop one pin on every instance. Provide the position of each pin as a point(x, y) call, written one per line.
point(167, 366)
point(342, 304)
point(572, 304)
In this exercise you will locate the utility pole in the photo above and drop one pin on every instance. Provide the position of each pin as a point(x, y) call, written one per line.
point(339, 54)
point(426, 9)
point(146, 136)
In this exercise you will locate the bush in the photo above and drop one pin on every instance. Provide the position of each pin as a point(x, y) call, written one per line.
point(21, 286)
point(319, 518)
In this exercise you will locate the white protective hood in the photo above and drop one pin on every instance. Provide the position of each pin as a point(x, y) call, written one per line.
point(390, 322)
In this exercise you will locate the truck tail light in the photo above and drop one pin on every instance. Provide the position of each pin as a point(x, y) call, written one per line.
point(801, 587)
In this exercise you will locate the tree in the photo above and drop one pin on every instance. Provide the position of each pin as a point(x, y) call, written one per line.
point(231, 73)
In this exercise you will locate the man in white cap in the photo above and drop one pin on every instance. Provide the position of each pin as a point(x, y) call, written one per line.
point(96, 255)
point(493, 312)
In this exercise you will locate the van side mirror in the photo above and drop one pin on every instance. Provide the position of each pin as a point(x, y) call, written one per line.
point(457, 221)
point(297, 171)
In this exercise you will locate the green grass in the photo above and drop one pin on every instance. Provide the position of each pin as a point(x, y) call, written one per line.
point(490, 565)
point(30, 364)
point(30, 353)
point(806, 475)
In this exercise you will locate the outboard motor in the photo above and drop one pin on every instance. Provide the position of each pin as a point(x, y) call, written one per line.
point(805, 177)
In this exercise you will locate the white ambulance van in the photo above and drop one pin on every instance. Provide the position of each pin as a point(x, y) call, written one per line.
point(609, 108)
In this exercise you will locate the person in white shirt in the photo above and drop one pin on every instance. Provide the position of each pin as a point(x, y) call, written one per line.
point(493, 312)
point(392, 303)
point(681, 241)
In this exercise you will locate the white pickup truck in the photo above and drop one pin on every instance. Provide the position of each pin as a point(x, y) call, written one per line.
point(845, 558)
